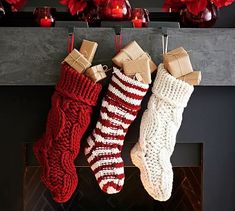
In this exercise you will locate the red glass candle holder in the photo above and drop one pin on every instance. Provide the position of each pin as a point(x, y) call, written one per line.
point(44, 16)
point(2, 10)
point(140, 17)
point(146, 18)
point(118, 10)
point(205, 19)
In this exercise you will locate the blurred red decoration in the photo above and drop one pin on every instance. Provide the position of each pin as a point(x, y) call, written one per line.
point(140, 17)
point(193, 6)
point(203, 19)
point(74, 6)
point(222, 3)
point(16, 4)
point(99, 3)
point(44, 16)
point(116, 10)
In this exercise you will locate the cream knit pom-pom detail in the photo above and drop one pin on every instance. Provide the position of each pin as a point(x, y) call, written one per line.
point(159, 126)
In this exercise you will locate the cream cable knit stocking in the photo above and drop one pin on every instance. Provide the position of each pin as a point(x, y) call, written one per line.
point(159, 126)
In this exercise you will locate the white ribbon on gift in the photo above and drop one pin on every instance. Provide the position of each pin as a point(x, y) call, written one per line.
point(76, 60)
point(132, 58)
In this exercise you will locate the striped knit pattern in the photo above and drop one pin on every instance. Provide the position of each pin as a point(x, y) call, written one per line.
point(67, 121)
point(103, 151)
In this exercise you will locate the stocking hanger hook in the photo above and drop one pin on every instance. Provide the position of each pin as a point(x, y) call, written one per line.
point(70, 38)
point(164, 40)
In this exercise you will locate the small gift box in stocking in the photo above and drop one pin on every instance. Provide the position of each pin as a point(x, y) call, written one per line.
point(193, 78)
point(132, 52)
point(139, 67)
point(76, 60)
point(88, 49)
point(96, 73)
point(177, 62)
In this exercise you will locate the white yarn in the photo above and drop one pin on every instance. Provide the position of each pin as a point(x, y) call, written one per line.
point(159, 126)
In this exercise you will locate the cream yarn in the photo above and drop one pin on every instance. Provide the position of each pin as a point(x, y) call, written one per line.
point(159, 126)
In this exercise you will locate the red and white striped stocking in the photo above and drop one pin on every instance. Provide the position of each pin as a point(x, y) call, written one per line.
point(103, 151)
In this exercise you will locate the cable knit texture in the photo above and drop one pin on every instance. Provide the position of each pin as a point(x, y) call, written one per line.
point(103, 151)
point(159, 126)
point(67, 121)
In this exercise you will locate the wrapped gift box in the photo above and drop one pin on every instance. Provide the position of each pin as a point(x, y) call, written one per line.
point(137, 68)
point(193, 78)
point(132, 52)
point(96, 73)
point(76, 60)
point(177, 62)
point(88, 49)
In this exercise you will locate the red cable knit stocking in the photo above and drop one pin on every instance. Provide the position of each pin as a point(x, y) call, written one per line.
point(68, 119)
point(119, 109)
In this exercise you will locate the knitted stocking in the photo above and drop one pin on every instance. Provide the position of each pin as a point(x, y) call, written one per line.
point(159, 126)
point(119, 108)
point(67, 121)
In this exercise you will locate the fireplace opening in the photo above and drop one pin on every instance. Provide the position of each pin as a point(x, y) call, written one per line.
point(186, 194)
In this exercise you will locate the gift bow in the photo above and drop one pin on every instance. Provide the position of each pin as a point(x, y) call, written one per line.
point(97, 70)
point(77, 60)
point(132, 58)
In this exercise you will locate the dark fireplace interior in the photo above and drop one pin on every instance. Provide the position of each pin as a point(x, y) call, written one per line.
point(188, 170)
point(187, 193)
point(188, 182)
point(23, 119)
point(28, 107)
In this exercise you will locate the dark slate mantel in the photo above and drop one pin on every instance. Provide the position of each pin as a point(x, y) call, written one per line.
point(32, 56)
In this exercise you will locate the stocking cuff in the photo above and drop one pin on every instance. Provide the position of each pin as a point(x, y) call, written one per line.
point(126, 91)
point(170, 89)
point(77, 86)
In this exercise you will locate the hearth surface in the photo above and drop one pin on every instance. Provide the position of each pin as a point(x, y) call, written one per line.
point(187, 193)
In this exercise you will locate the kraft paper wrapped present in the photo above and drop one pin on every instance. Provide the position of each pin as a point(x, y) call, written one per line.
point(138, 77)
point(132, 52)
point(193, 78)
point(76, 60)
point(177, 62)
point(137, 68)
point(97, 72)
point(88, 49)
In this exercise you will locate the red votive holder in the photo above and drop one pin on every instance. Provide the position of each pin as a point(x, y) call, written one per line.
point(116, 10)
point(137, 23)
point(44, 16)
point(46, 22)
point(139, 18)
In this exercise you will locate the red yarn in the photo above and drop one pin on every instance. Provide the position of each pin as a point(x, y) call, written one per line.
point(67, 121)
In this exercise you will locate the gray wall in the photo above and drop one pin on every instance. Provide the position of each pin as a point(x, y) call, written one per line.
point(226, 17)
